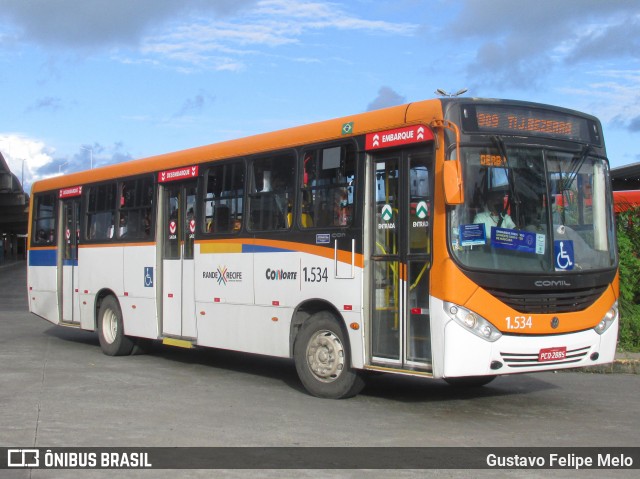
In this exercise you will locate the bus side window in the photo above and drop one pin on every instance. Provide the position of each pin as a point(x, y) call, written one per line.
point(135, 207)
point(101, 211)
point(327, 192)
point(223, 199)
point(421, 166)
point(271, 197)
point(44, 220)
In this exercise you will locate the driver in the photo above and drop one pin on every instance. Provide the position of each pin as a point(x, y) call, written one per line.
point(494, 214)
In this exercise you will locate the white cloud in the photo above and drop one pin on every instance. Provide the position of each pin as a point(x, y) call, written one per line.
point(185, 35)
point(611, 95)
point(219, 45)
point(99, 23)
point(521, 44)
point(36, 155)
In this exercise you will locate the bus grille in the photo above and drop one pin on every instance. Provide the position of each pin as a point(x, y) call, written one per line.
point(517, 360)
point(548, 302)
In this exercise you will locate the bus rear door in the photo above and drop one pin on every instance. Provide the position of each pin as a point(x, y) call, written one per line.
point(68, 267)
point(178, 270)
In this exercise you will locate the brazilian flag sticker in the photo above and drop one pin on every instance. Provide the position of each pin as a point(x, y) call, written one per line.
point(347, 128)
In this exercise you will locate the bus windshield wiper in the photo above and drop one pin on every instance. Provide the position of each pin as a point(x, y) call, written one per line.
point(513, 196)
point(573, 173)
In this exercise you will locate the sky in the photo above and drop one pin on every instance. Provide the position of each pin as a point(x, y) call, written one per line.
point(95, 82)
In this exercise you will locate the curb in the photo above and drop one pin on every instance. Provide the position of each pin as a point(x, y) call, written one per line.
point(619, 366)
point(9, 263)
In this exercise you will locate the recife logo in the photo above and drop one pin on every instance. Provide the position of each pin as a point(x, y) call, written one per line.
point(222, 272)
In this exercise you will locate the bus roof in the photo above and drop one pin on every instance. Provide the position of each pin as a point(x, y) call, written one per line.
point(418, 112)
point(312, 133)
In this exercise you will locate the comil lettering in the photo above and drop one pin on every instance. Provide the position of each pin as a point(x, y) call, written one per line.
point(552, 283)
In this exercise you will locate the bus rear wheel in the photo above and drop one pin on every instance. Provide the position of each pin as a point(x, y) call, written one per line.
point(323, 359)
point(111, 329)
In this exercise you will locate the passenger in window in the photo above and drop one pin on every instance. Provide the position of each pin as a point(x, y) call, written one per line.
point(280, 190)
point(146, 224)
point(110, 231)
point(122, 229)
point(341, 208)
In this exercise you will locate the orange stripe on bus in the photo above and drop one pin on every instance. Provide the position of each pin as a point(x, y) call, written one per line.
point(235, 246)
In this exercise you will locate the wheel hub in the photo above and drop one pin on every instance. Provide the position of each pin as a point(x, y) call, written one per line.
point(325, 356)
point(110, 326)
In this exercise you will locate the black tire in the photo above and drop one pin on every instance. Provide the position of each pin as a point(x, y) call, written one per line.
point(323, 359)
point(469, 381)
point(111, 329)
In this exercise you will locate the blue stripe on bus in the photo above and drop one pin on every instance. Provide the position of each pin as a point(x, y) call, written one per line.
point(70, 262)
point(254, 248)
point(42, 257)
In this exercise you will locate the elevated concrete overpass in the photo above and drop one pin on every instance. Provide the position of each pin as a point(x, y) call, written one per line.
point(14, 214)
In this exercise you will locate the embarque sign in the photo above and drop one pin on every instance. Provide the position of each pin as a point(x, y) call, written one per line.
point(397, 137)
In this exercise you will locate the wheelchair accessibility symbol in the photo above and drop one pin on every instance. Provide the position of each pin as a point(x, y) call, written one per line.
point(563, 251)
point(148, 277)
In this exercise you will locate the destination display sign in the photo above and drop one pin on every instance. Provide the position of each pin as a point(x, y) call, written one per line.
point(514, 119)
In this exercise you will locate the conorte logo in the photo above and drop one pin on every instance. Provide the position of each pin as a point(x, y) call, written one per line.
point(23, 458)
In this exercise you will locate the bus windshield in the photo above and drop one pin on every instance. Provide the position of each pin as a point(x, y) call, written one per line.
point(532, 210)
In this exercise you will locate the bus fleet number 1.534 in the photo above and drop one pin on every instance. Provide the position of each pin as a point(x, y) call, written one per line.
point(315, 274)
point(518, 322)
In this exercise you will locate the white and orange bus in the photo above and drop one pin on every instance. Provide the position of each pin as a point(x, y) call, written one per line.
point(425, 239)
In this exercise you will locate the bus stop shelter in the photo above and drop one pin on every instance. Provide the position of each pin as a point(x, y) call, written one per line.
point(626, 177)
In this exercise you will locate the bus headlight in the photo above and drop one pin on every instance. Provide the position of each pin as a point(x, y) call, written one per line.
point(473, 322)
point(608, 319)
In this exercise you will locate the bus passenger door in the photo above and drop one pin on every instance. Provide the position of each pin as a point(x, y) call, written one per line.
point(400, 255)
point(69, 256)
point(178, 270)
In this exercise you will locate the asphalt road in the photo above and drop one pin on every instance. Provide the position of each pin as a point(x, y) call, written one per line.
point(58, 389)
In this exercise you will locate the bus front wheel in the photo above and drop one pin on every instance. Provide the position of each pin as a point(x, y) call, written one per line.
point(111, 330)
point(323, 359)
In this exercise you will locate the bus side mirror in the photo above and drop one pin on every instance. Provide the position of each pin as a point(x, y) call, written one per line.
point(453, 188)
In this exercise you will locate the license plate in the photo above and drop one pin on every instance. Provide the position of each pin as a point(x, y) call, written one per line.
point(552, 354)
